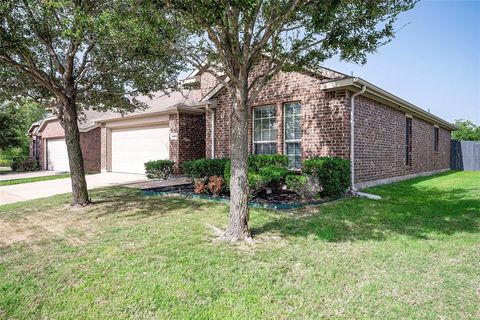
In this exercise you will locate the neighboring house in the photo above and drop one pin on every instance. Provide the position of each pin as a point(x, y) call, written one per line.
point(300, 114)
point(47, 143)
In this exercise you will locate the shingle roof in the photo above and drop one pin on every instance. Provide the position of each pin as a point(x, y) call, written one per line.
point(161, 101)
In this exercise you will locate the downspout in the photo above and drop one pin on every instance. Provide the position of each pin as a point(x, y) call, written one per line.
point(352, 137)
point(212, 131)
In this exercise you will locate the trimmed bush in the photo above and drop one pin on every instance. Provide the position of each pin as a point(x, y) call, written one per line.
point(159, 169)
point(274, 177)
point(263, 171)
point(296, 183)
point(332, 172)
point(19, 165)
point(303, 185)
point(204, 168)
point(256, 162)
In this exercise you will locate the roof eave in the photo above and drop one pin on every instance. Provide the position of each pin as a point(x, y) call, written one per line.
point(173, 110)
point(356, 83)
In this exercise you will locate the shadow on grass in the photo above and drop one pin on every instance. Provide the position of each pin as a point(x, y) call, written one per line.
point(128, 203)
point(407, 209)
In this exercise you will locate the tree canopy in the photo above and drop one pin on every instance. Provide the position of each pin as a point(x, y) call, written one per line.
point(467, 130)
point(111, 51)
point(15, 119)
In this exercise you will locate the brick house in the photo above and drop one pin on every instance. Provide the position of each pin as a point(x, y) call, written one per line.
point(300, 114)
point(47, 143)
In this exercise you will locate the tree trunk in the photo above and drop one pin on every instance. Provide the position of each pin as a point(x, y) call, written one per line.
point(75, 159)
point(237, 229)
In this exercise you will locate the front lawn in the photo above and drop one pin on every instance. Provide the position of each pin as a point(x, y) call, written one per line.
point(413, 255)
point(34, 179)
point(4, 170)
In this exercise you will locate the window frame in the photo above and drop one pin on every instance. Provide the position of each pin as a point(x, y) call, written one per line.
point(274, 106)
point(408, 140)
point(285, 141)
point(436, 138)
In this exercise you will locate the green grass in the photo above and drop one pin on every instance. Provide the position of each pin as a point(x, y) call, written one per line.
point(5, 170)
point(34, 179)
point(413, 255)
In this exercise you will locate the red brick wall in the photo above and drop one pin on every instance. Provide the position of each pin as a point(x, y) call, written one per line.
point(380, 143)
point(89, 142)
point(53, 129)
point(91, 149)
point(379, 131)
point(190, 142)
point(325, 119)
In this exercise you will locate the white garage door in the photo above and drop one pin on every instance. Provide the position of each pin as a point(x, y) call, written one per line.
point(57, 157)
point(132, 147)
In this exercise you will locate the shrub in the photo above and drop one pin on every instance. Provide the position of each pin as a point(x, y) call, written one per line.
point(14, 165)
point(332, 172)
point(263, 171)
point(5, 163)
point(215, 185)
point(296, 182)
point(303, 185)
point(31, 164)
point(159, 169)
point(274, 177)
point(256, 162)
point(20, 165)
point(203, 168)
point(199, 186)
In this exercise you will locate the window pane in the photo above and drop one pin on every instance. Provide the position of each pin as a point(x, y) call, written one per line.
point(265, 148)
point(256, 132)
point(297, 131)
point(294, 154)
point(293, 131)
point(292, 121)
point(265, 124)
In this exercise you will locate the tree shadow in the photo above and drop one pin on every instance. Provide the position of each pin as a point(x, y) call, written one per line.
point(407, 209)
point(125, 203)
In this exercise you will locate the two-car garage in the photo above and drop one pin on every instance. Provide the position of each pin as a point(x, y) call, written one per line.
point(132, 147)
point(116, 143)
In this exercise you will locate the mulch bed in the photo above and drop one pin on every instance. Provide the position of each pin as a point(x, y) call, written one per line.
point(281, 201)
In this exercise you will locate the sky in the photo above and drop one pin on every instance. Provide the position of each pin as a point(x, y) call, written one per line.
point(434, 61)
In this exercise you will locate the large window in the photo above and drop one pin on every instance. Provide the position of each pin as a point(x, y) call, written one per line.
point(435, 139)
point(265, 130)
point(408, 141)
point(293, 134)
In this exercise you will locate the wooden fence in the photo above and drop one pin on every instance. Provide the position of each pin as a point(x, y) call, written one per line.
point(465, 155)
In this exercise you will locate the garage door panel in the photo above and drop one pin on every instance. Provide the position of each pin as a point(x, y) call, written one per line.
point(57, 156)
point(132, 147)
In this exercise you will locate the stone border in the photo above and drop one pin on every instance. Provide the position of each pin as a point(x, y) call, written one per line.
point(226, 200)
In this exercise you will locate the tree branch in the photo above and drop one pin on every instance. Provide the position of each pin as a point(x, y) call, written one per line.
point(46, 42)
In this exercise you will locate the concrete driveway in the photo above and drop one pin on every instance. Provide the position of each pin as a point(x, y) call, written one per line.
point(42, 189)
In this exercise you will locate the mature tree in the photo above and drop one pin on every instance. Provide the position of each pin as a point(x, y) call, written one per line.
point(230, 37)
point(15, 119)
point(78, 54)
point(467, 130)
point(8, 132)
